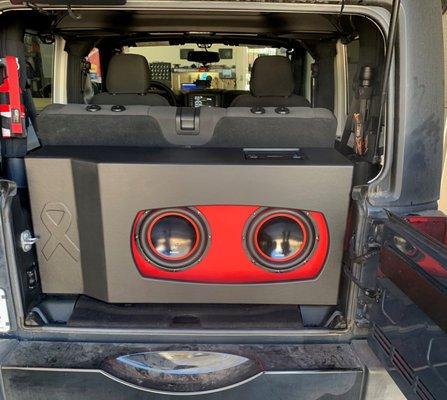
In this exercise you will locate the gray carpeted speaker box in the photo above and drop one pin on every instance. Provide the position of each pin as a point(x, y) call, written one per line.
point(94, 193)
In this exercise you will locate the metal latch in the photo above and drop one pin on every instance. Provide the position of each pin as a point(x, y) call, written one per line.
point(32, 278)
point(27, 241)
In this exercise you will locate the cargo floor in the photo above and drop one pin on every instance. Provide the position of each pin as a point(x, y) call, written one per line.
point(89, 313)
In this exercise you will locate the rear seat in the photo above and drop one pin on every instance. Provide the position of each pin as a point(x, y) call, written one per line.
point(144, 126)
point(72, 125)
point(301, 127)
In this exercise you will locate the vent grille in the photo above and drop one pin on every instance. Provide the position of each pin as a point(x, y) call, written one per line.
point(422, 392)
point(398, 361)
point(403, 367)
point(382, 340)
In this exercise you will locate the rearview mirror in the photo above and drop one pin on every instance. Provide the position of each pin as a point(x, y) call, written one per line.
point(203, 57)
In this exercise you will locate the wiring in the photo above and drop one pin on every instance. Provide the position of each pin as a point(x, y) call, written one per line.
point(342, 8)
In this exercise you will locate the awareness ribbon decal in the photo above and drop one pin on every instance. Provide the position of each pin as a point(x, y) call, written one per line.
point(58, 231)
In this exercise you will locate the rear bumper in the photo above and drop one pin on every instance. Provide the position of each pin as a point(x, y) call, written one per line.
point(62, 370)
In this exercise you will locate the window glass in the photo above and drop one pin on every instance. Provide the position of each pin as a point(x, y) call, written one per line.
point(308, 62)
point(170, 66)
point(353, 64)
point(39, 69)
point(95, 70)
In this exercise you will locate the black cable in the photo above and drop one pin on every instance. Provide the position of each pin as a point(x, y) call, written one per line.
point(372, 293)
point(35, 7)
point(342, 8)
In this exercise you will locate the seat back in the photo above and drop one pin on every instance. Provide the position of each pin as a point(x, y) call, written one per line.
point(300, 127)
point(271, 85)
point(127, 82)
point(142, 126)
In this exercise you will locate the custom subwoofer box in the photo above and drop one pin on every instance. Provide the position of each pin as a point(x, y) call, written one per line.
point(134, 225)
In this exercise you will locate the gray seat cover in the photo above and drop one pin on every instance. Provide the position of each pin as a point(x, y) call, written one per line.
point(127, 82)
point(143, 126)
point(271, 85)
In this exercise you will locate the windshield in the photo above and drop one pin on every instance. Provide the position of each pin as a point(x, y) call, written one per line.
point(170, 65)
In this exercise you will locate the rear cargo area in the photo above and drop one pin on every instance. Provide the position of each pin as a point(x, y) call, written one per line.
point(222, 200)
point(198, 195)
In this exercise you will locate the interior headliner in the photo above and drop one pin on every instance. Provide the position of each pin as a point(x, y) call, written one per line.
point(118, 23)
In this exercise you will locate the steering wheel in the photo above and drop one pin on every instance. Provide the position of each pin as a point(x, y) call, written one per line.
point(164, 89)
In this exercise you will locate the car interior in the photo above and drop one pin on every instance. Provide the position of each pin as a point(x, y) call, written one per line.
point(209, 129)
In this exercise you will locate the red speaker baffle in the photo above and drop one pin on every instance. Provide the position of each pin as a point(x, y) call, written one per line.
point(230, 244)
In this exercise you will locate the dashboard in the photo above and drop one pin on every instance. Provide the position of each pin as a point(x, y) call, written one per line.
point(203, 98)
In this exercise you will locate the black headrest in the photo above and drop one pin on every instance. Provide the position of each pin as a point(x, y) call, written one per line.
point(128, 73)
point(272, 76)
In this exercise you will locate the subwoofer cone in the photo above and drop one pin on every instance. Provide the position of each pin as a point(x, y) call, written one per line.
point(279, 239)
point(173, 239)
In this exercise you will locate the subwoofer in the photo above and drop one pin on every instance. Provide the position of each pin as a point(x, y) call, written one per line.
point(196, 225)
point(172, 239)
point(229, 244)
point(280, 240)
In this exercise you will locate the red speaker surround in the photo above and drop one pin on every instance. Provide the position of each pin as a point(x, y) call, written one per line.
point(172, 239)
point(230, 244)
point(280, 239)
